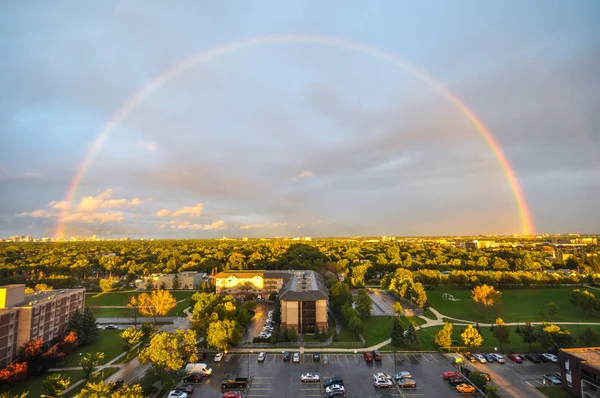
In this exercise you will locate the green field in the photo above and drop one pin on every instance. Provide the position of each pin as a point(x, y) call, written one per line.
point(34, 384)
point(554, 392)
point(518, 305)
point(110, 343)
point(122, 298)
point(379, 328)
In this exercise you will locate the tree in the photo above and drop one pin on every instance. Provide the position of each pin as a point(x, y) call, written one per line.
point(84, 324)
point(355, 325)
point(131, 336)
point(411, 337)
point(89, 361)
point(157, 303)
point(221, 333)
point(397, 333)
point(501, 333)
point(471, 337)
point(553, 337)
point(478, 380)
point(398, 308)
point(528, 334)
point(109, 284)
point(585, 300)
point(339, 295)
point(133, 304)
point(102, 389)
point(170, 351)
point(292, 335)
point(444, 336)
point(589, 337)
point(487, 296)
point(176, 282)
point(551, 310)
point(55, 384)
point(363, 304)
point(13, 372)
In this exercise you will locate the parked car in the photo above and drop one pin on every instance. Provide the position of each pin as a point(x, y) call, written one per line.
point(316, 357)
point(368, 357)
point(465, 388)
point(286, 356)
point(188, 388)
point(193, 378)
point(376, 355)
point(515, 358)
point(332, 381)
point(382, 383)
point(498, 357)
point(219, 357)
point(296, 357)
point(407, 383)
point(480, 358)
point(550, 357)
point(490, 358)
point(403, 375)
point(448, 374)
point(487, 376)
point(333, 394)
point(382, 375)
point(110, 327)
point(232, 394)
point(471, 357)
point(262, 356)
point(335, 387)
point(177, 394)
point(551, 377)
point(533, 358)
point(310, 377)
point(456, 380)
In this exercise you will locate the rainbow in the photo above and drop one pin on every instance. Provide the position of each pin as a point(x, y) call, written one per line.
point(527, 226)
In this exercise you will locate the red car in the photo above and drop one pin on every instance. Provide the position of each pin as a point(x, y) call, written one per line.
point(448, 374)
point(232, 394)
point(368, 356)
point(515, 357)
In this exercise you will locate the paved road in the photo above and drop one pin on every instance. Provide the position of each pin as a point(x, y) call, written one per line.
point(103, 321)
point(258, 321)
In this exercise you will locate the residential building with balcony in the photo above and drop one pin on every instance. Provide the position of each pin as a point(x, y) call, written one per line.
point(24, 317)
point(304, 302)
point(261, 283)
point(580, 371)
point(187, 280)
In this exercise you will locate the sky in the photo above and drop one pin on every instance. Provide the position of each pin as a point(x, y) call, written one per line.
point(297, 138)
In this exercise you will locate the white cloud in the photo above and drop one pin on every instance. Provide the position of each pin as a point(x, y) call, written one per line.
point(36, 214)
point(98, 217)
point(186, 225)
point(190, 211)
point(256, 226)
point(105, 200)
point(150, 146)
point(305, 174)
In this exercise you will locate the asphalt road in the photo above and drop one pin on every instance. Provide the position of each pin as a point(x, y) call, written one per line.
point(275, 378)
point(258, 321)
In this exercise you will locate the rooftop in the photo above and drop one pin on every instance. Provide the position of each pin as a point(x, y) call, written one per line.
point(304, 286)
point(43, 295)
point(590, 355)
point(253, 273)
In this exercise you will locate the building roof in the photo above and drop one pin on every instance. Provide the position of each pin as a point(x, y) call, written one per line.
point(44, 295)
point(304, 286)
point(590, 356)
point(253, 273)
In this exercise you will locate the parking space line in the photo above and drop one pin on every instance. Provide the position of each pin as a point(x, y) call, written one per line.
point(355, 360)
point(407, 358)
point(433, 357)
point(389, 357)
point(416, 359)
point(228, 358)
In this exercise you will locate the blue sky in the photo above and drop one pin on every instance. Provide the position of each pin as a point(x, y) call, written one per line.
point(294, 139)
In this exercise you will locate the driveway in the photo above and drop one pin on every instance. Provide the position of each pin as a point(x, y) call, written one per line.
point(258, 321)
point(383, 302)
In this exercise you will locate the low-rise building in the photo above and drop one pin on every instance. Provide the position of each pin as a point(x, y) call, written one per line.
point(261, 283)
point(187, 280)
point(580, 371)
point(304, 302)
point(24, 317)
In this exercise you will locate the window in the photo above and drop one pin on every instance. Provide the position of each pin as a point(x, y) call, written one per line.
point(567, 363)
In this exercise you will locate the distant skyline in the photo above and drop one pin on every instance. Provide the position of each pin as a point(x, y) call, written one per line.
point(298, 138)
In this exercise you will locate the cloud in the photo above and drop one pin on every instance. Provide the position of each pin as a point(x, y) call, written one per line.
point(305, 174)
point(99, 217)
point(36, 214)
point(150, 146)
point(105, 200)
point(190, 211)
point(257, 226)
point(186, 225)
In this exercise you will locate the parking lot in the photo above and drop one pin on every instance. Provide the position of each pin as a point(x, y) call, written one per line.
point(517, 379)
point(275, 378)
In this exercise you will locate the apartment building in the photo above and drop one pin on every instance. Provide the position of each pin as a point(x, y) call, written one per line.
point(304, 302)
point(24, 317)
point(187, 280)
point(261, 283)
point(580, 371)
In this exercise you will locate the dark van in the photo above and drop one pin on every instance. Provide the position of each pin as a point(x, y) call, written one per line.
point(286, 356)
point(376, 355)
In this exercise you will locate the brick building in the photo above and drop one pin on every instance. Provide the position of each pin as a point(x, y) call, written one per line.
point(28, 316)
point(580, 371)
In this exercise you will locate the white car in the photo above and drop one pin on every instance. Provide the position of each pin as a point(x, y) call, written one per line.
point(550, 357)
point(218, 357)
point(334, 387)
point(480, 358)
point(499, 358)
point(381, 375)
point(296, 357)
point(306, 377)
point(177, 394)
point(262, 356)
point(403, 375)
point(382, 383)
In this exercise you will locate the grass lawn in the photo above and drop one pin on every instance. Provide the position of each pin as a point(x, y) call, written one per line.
point(110, 343)
point(379, 328)
point(518, 305)
point(122, 298)
point(554, 392)
point(34, 384)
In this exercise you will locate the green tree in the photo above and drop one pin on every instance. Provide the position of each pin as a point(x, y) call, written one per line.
point(585, 300)
point(89, 361)
point(363, 304)
point(528, 334)
point(487, 296)
point(109, 284)
point(221, 333)
point(501, 333)
point(444, 336)
point(553, 337)
point(170, 351)
point(55, 384)
point(355, 325)
point(84, 324)
point(478, 380)
point(411, 337)
point(398, 308)
point(176, 282)
point(589, 337)
point(157, 303)
point(551, 310)
point(292, 335)
point(471, 337)
point(397, 333)
point(339, 295)
point(131, 336)
point(102, 389)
